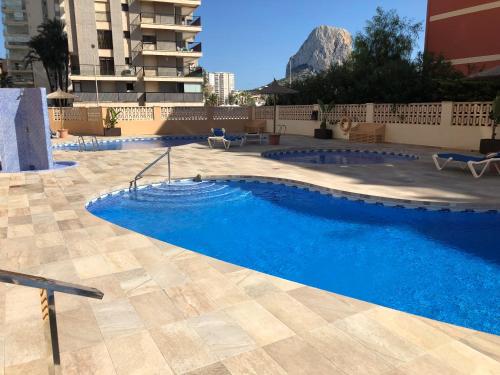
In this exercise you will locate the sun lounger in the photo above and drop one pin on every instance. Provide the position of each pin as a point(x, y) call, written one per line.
point(220, 136)
point(472, 162)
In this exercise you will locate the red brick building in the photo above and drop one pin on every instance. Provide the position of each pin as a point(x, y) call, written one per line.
point(465, 32)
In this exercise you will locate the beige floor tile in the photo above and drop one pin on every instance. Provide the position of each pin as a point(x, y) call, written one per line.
point(386, 343)
point(263, 327)
point(94, 360)
point(484, 343)
point(224, 337)
point(38, 367)
point(255, 362)
point(156, 309)
point(465, 359)
point(221, 291)
point(78, 329)
point(182, 347)
point(49, 240)
point(254, 284)
point(291, 312)
point(347, 353)
point(327, 305)
point(136, 282)
point(92, 266)
point(17, 231)
point(425, 364)
point(121, 261)
point(65, 215)
point(24, 342)
point(137, 354)
point(109, 285)
point(191, 300)
point(298, 357)
point(409, 327)
point(215, 369)
point(117, 318)
point(22, 303)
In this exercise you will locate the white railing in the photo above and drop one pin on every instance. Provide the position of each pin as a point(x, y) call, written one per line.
point(70, 114)
point(472, 114)
point(264, 113)
point(411, 114)
point(296, 112)
point(231, 113)
point(184, 113)
point(135, 113)
point(355, 112)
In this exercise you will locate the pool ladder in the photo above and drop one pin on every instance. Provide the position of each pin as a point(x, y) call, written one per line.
point(82, 145)
point(133, 183)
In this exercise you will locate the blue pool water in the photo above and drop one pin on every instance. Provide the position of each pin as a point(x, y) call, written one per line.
point(136, 143)
point(343, 157)
point(441, 265)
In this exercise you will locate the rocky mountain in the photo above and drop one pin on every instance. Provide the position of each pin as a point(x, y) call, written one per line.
point(326, 45)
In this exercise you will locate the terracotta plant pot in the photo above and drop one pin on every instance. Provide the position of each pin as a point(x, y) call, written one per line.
point(274, 139)
point(63, 133)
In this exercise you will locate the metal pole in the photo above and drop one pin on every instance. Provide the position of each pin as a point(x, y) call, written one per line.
point(95, 77)
point(169, 169)
point(50, 326)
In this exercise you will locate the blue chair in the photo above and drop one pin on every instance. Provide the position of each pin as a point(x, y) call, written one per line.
point(471, 161)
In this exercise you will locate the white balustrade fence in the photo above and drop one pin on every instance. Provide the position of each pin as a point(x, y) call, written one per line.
point(184, 113)
point(411, 114)
point(296, 112)
point(135, 113)
point(355, 112)
point(231, 113)
point(472, 114)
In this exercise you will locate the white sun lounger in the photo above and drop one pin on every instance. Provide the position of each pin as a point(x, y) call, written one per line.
point(472, 162)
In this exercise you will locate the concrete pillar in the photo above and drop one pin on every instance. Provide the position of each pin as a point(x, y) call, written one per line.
point(370, 112)
point(446, 113)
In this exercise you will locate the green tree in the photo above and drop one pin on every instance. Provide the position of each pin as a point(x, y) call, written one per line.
point(50, 47)
point(384, 67)
point(212, 100)
point(5, 80)
point(232, 98)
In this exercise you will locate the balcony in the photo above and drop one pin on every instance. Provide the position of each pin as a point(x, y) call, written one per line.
point(16, 45)
point(186, 50)
point(107, 97)
point(15, 19)
point(166, 74)
point(173, 97)
point(173, 22)
point(184, 3)
point(104, 73)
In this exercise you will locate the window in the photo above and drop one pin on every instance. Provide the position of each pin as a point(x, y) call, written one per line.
point(125, 7)
point(149, 39)
point(77, 87)
point(126, 34)
point(105, 39)
point(130, 87)
point(107, 66)
point(127, 60)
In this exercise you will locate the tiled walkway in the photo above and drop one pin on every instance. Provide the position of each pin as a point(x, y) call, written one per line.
point(171, 311)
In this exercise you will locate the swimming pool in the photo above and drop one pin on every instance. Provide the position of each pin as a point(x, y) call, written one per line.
point(135, 143)
point(343, 157)
point(441, 265)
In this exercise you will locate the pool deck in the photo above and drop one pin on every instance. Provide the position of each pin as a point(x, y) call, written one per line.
point(168, 310)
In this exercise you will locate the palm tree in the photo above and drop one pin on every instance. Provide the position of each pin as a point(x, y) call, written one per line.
point(50, 47)
point(212, 100)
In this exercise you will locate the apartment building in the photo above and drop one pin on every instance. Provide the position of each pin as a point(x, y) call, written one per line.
point(127, 52)
point(465, 32)
point(20, 20)
point(222, 84)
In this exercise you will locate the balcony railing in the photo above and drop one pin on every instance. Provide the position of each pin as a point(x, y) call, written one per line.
point(99, 70)
point(159, 71)
point(173, 47)
point(107, 97)
point(169, 19)
point(161, 97)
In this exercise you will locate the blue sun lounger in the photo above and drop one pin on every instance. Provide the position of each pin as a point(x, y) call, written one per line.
point(220, 135)
point(472, 162)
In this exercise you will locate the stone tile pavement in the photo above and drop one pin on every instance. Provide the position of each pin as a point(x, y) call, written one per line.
point(167, 310)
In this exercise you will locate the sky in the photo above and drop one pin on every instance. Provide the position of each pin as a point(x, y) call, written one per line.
point(255, 38)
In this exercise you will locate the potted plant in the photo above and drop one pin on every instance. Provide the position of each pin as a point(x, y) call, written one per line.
point(111, 120)
point(488, 146)
point(323, 132)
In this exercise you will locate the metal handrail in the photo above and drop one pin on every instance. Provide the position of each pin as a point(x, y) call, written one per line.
point(139, 175)
point(47, 288)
